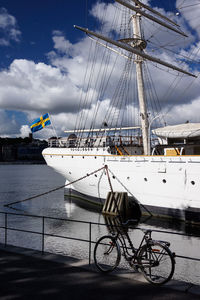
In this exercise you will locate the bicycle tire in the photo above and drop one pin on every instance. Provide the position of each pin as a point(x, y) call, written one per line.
point(107, 254)
point(156, 262)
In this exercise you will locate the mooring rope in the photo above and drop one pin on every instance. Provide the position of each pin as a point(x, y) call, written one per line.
point(72, 182)
point(55, 189)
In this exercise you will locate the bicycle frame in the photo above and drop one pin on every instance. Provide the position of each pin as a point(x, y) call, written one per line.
point(119, 237)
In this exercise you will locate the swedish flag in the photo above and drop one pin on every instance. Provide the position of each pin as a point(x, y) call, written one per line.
point(40, 123)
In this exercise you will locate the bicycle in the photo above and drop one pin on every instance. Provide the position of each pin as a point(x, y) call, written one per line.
point(153, 258)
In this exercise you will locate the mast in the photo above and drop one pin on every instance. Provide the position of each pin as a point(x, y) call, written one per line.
point(140, 45)
point(136, 45)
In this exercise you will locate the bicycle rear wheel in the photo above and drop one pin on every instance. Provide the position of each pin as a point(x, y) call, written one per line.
point(107, 254)
point(156, 262)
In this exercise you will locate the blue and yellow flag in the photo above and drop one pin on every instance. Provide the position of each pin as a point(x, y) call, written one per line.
point(40, 123)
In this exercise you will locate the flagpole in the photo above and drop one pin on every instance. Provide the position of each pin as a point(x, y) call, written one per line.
point(53, 126)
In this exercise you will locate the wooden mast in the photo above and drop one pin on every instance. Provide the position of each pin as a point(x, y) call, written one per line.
point(140, 82)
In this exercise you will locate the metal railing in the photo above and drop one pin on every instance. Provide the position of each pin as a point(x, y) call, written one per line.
point(44, 234)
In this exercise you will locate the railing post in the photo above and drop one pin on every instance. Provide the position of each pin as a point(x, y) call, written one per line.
point(6, 226)
point(43, 235)
point(90, 241)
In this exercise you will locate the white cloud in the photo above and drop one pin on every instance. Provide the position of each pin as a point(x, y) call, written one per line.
point(190, 11)
point(37, 87)
point(60, 43)
point(182, 113)
point(8, 28)
point(24, 131)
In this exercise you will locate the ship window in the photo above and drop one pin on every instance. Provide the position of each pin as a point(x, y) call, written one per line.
point(95, 157)
point(145, 179)
point(113, 177)
point(164, 180)
point(193, 182)
point(62, 156)
point(83, 157)
point(72, 157)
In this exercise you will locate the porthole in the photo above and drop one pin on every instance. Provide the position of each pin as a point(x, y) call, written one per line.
point(62, 156)
point(164, 180)
point(95, 157)
point(72, 157)
point(83, 157)
point(193, 182)
point(113, 177)
point(145, 179)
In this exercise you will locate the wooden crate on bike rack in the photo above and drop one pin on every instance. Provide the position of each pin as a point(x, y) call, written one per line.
point(116, 202)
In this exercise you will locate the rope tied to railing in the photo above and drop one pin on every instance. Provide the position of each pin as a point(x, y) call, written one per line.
point(107, 170)
point(55, 189)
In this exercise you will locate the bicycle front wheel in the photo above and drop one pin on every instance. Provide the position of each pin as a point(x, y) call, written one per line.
point(156, 262)
point(107, 254)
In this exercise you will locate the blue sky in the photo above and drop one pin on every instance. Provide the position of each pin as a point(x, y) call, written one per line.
point(36, 20)
point(43, 57)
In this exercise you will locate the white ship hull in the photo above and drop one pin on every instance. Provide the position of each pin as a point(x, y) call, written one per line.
point(165, 185)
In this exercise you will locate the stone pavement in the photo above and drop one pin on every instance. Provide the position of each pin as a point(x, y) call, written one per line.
point(27, 274)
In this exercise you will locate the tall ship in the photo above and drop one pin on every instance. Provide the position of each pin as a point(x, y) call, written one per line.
point(159, 168)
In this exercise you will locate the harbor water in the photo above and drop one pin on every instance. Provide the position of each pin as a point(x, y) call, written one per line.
point(18, 182)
